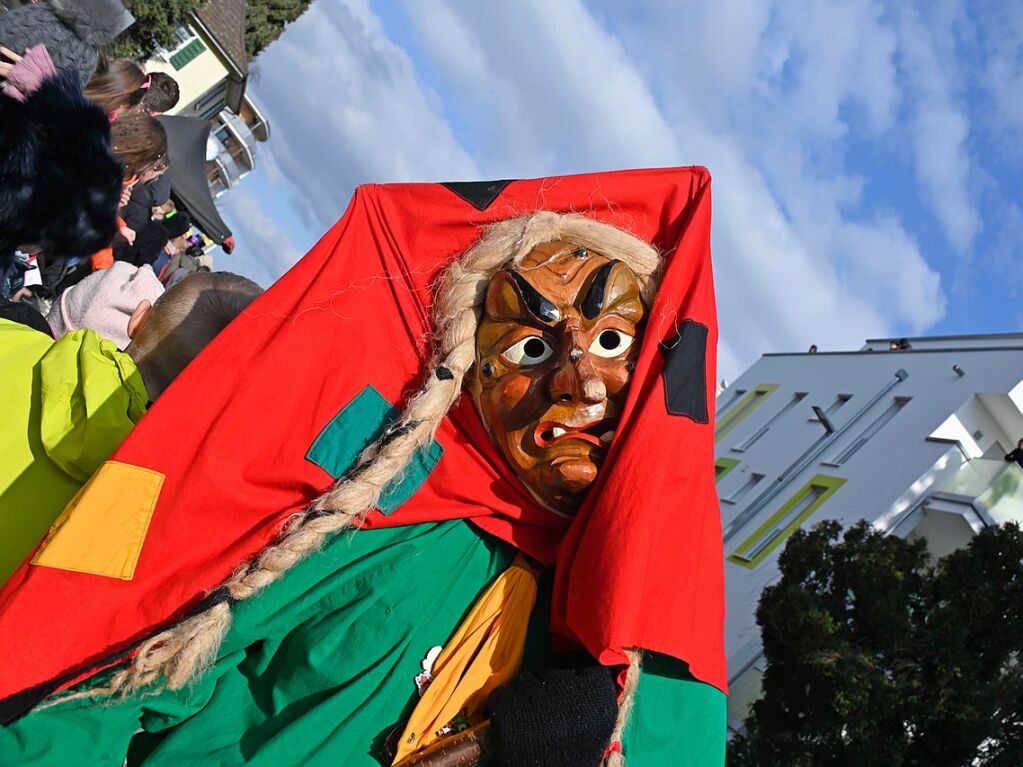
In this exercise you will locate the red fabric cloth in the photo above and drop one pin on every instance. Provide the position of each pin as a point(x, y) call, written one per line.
point(640, 566)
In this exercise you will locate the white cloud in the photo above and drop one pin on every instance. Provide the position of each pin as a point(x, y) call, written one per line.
point(264, 249)
point(1001, 29)
point(940, 129)
point(346, 107)
point(579, 99)
point(763, 95)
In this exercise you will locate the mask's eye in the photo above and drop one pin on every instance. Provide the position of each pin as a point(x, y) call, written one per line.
point(611, 343)
point(528, 351)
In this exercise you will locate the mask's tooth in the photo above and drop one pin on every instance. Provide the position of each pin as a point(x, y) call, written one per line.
point(558, 431)
point(607, 436)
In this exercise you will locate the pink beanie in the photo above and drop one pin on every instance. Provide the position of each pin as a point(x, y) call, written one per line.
point(104, 302)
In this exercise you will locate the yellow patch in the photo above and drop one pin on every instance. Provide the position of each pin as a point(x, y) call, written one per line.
point(102, 529)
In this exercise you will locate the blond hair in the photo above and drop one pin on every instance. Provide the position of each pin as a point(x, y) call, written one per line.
point(186, 318)
point(178, 654)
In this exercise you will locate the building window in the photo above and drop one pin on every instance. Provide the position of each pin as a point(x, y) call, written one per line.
point(186, 53)
point(183, 35)
point(722, 466)
point(840, 400)
point(796, 399)
point(734, 395)
point(785, 521)
point(876, 425)
point(742, 492)
point(737, 412)
point(209, 106)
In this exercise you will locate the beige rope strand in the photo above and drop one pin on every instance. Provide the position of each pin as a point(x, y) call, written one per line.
point(625, 704)
point(177, 655)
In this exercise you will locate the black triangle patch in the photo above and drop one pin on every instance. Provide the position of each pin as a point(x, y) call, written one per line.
point(479, 194)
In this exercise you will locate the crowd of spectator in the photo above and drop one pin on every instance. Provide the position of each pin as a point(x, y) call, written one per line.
point(106, 289)
point(83, 158)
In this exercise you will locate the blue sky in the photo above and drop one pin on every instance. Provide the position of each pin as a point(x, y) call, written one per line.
point(866, 156)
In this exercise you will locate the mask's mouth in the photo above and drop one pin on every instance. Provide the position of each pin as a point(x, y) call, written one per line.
point(597, 433)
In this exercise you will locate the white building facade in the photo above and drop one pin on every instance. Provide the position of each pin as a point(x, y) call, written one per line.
point(913, 440)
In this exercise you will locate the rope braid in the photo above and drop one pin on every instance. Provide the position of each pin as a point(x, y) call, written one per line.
point(625, 703)
point(179, 654)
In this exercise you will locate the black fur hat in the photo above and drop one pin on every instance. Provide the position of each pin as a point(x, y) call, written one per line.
point(60, 183)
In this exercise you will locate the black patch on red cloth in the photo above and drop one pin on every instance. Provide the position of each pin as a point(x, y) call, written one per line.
point(479, 194)
point(685, 372)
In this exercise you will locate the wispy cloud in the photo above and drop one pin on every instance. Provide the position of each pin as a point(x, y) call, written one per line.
point(940, 129)
point(839, 134)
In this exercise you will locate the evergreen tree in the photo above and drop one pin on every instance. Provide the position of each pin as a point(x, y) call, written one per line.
point(155, 21)
point(876, 657)
point(266, 20)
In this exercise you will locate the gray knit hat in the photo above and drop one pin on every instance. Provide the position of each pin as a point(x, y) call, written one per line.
point(71, 30)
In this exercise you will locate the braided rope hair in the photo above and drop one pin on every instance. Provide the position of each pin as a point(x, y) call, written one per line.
point(180, 653)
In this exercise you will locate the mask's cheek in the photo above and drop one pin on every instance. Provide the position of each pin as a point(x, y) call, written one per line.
point(616, 374)
point(513, 405)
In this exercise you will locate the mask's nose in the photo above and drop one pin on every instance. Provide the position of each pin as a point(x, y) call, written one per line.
point(576, 379)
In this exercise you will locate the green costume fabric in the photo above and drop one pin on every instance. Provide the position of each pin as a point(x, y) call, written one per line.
point(318, 668)
point(67, 405)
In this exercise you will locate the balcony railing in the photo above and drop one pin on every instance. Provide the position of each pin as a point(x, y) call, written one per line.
point(994, 484)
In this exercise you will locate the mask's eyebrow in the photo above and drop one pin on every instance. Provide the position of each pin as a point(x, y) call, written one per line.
point(593, 304)
point(539, 306)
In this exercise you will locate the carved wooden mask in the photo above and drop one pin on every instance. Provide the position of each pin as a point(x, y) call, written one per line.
point(555, 351)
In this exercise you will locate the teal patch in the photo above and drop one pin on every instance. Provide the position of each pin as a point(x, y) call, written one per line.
point(358, 424)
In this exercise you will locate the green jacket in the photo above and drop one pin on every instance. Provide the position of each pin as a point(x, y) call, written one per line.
point(320, 666)
point(66, 406)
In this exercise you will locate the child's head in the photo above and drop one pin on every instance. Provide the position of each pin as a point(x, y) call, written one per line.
point(162, 93)
point(104, 301)
point(170, 333)
point(116, 86)
point(140, 142)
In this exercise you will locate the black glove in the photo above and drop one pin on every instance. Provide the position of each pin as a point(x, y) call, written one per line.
point(554, 718)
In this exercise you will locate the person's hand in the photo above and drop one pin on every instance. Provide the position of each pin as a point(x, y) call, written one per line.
point(169, 249)
point(125, 196)
point(128, 234)
point(23, 293)
point(554, 718)
point(8, 59)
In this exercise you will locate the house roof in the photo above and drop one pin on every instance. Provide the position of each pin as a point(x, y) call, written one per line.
point(224, 20)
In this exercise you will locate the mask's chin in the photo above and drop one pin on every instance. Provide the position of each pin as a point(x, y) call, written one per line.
point(566, 513)
point(565, 500)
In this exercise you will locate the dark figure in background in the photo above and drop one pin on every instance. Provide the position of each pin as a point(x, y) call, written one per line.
point(151, 237)
point(1017, 454)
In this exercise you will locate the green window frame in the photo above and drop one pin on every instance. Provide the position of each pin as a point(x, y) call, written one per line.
point(741, 409)
point(793, 513)
point(722, 466)
point(187, 53)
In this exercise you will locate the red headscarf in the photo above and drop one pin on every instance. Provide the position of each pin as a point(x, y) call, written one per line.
point(639, 566)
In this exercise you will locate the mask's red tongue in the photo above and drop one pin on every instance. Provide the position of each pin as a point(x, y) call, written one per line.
point(550, 432)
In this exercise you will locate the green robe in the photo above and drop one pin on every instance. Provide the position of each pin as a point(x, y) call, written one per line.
point(319, 667)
